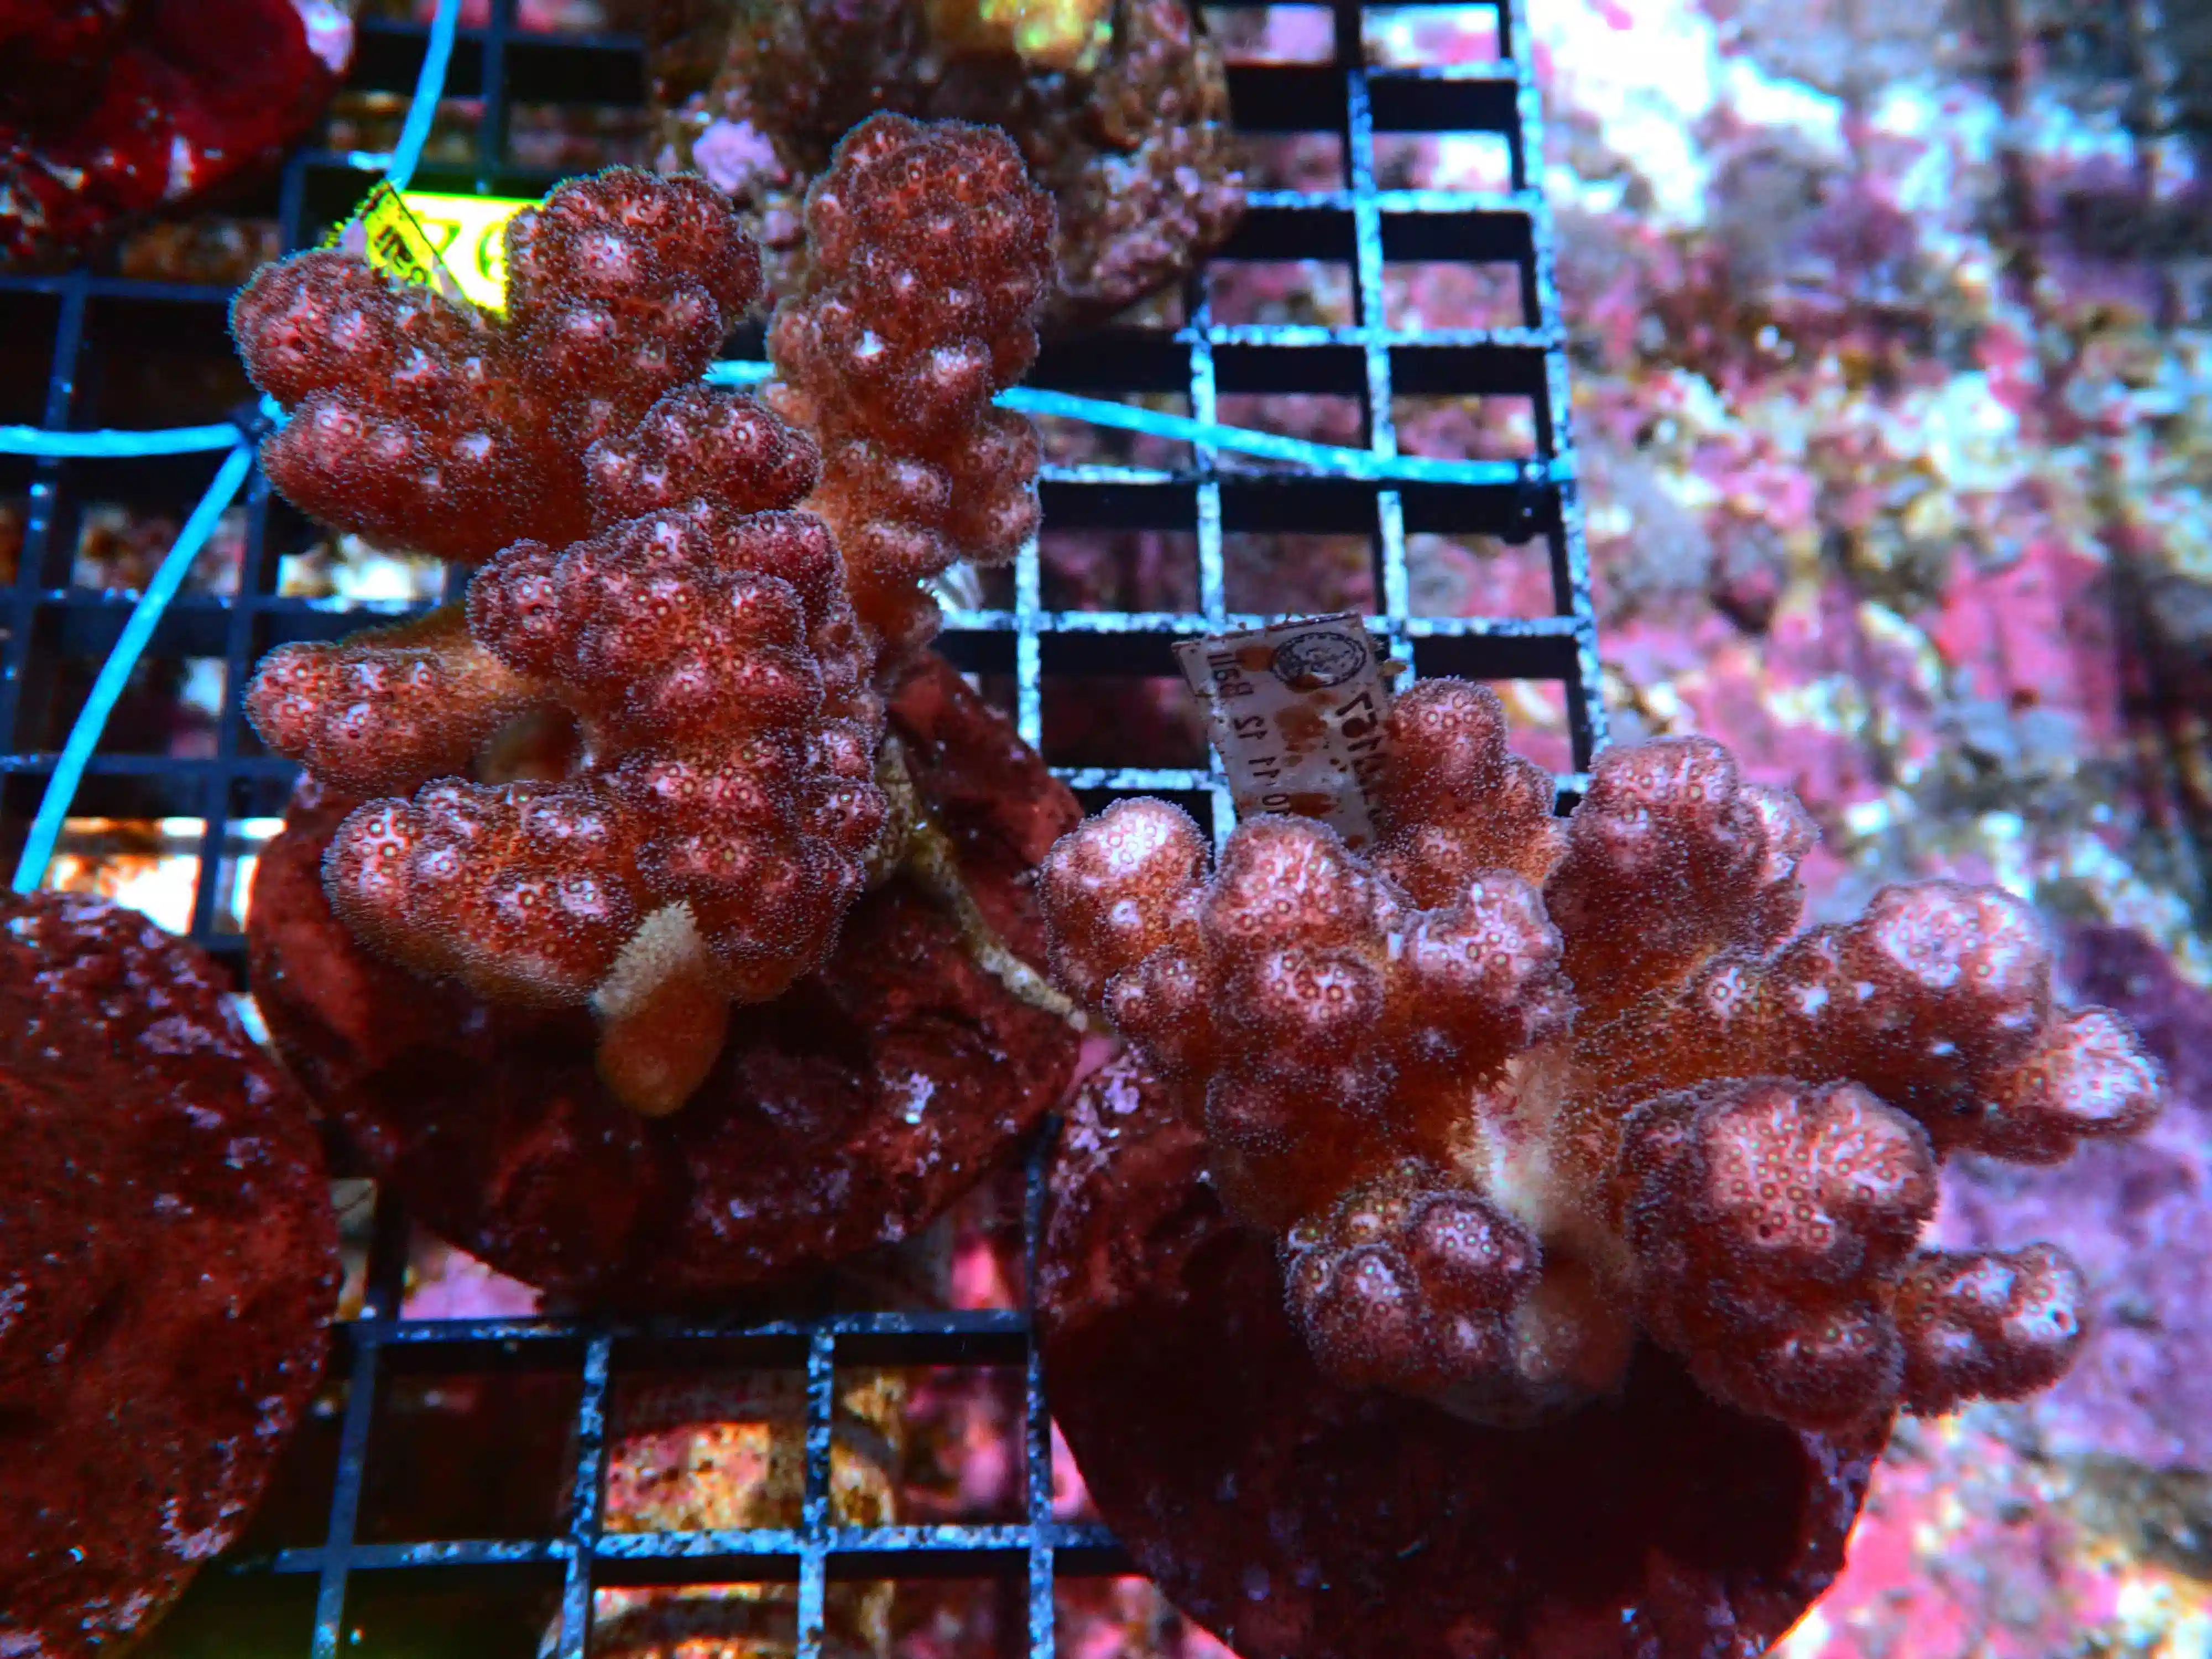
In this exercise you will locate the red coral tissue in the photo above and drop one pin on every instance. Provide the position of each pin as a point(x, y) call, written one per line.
point(110, 111)
point(1560, 1126)
point(643, 756)
point(169, 1263)
point(1511, 1096)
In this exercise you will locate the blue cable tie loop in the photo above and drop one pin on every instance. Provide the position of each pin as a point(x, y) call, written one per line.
point(109, 445)
point(1330, 459)
point(257, 419)
point(429, 87)
point(1526, 479)
point(250, 423)
point(115, 673)
point(253, 421)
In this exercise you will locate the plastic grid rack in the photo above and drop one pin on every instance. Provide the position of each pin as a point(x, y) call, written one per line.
point(93, 319)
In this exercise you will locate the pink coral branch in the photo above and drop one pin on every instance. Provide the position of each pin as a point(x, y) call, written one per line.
point(388, 707)
point(931, 252)
point(1502, 1128)
point(672, 703)
point(422, 423)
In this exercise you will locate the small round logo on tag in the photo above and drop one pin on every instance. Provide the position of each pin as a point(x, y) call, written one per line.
point(1314, 661)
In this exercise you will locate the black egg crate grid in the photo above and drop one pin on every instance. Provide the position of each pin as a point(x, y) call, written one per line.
point(97, 323)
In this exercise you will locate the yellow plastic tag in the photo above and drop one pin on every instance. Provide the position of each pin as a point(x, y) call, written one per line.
point(455, 244)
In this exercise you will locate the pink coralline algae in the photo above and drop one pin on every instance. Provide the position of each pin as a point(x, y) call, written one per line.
point(110, 111)
point(1564, 1127)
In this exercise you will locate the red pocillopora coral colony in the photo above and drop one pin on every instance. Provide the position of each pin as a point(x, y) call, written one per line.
point(1519, 1091)
point(648, 596)
point(1520, 1087)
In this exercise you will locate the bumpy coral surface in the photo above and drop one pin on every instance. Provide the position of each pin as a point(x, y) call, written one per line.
point(1563, 1128)
point(110, 111)
point(668, 701)
point(1502, 1128)
point(167, 1261)
point(1126, 125)
point(1296, 1517)
point(424, 424)
point(712, 829)
point(843, 1113)
point(930, 252)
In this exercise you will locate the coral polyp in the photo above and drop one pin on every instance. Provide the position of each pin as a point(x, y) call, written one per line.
point(1518, 1101)
point(706, 849)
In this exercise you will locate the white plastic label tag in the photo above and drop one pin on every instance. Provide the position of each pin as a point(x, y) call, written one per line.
point(1298, 710)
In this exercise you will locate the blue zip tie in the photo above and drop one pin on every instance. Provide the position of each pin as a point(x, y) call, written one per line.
point(115, 672)
point(109, 444)
point(1360, 464)
point(430, 85)
point(1030, 400)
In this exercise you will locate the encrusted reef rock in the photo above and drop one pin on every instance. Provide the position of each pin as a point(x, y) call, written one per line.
point(1121, 111)
point(169, 1263)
